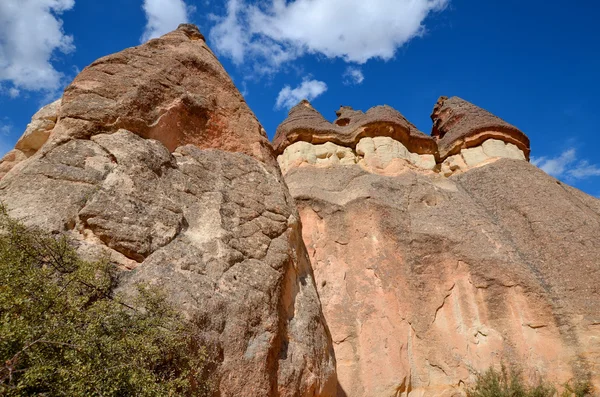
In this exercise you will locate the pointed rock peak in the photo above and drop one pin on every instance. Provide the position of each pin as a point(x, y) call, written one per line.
point(347, 115)
point(306, 103)
point(343, 109)
point(191, 31)
point(302, 106)
point(458, 124)
point(304, 123)
point(305, 111)
point(171, 89)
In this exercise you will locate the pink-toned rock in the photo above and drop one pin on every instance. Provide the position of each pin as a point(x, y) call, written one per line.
point(38, 131)
point(9, 161)
point(157, 163)
point(458, 124)
point(425, 280)
point(172, 89)
point(427, 277)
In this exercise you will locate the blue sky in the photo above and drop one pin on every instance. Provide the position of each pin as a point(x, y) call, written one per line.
point(535, 63)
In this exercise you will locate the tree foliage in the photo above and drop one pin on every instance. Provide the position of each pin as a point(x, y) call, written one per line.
point(64, 332)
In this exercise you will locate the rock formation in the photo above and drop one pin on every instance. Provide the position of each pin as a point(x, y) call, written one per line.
point(37, 133)
point(156, 161)
point(421, 259)
point(430, 274)
point(376, 138)
point(468, 136)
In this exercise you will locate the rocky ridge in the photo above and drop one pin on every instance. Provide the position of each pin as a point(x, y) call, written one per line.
point(154, 160)
point(463, 136)
point(429, 274)
point(396, 263)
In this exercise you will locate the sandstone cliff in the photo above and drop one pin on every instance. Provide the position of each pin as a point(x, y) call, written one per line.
point(153, 158)
point(430, 270)
point(397, 263)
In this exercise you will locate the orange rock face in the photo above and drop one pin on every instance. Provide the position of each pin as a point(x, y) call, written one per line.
point(426, 279)
point(425, 282)
point(172, 89)
point(396, 263)
point(157, 163)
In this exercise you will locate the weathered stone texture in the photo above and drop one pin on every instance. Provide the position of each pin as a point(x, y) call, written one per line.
point(379, 154)
point(426, 279)
point(458, 124)
point(172, 89)
point(35, 136)
point(157, 163)
point(306, 124)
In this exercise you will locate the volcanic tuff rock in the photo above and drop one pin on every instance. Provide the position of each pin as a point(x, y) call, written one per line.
point(157, 162)
point(427, 276)
point(458, 124)
point(308, 125)
point(171, 89)
point(433, 257)
point(34, 137)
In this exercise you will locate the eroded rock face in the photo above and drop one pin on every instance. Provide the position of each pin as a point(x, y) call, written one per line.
point(188, 197)
point(35, 136)
point(306, 124)
point(458, 124)
point(425, 279)
point(489, 151)
point(376, 154)
point(172, 89)
point(427, 276)
point(384, 142)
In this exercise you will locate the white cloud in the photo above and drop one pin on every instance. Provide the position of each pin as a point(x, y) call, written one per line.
point(584, 170)
point(244, 90)
point(277, 31)
point(30, 34)
point(5, 129)
point(164, 16)
point(308, 89)
point(567, 165)
point(353, 76)
point(555, 166)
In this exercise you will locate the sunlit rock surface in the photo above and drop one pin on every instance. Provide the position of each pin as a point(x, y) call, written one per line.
point(157, 163)
point(430, 273)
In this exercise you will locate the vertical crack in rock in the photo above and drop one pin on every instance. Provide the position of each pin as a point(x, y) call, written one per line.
point(479, 258)
point(155, 158)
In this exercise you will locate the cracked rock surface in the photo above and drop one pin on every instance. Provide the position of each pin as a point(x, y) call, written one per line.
point(200, 208)
point(425, 279)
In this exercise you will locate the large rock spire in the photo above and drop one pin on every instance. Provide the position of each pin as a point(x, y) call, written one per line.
point(155, 161)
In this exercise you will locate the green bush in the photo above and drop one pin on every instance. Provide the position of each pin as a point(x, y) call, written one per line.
point(64, 332)
point(510, 383)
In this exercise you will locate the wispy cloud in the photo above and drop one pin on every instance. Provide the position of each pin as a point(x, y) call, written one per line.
point(353, 76)
point(164, 16)
point(308, 89)
point(567, 165)
point(271, 33)
point(5, 129)
point(31, 32)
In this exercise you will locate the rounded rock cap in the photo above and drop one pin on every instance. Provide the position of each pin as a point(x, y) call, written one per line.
point(458, 124)
point(305, 123)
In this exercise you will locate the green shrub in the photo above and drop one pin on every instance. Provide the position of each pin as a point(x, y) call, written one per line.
point(577, 389)
point(510, 383)
point(64, 332)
